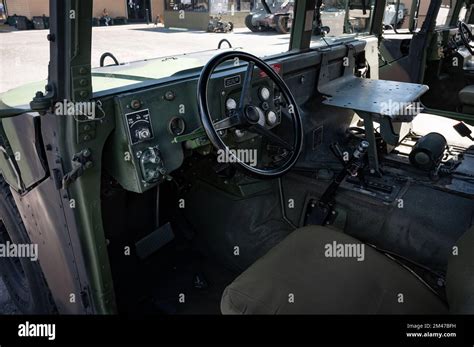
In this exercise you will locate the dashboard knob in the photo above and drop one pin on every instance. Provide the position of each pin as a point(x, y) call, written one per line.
point(143, 134)
point(271, 118)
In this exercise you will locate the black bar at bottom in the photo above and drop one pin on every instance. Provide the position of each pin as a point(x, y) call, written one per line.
point(398, 330)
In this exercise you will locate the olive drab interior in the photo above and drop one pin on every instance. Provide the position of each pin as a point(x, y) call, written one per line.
point(234, 179)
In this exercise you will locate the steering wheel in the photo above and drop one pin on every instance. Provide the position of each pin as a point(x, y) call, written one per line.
point(247, 116)
point(466, 36)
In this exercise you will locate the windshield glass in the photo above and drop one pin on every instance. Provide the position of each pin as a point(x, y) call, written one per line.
point(155, 39)
point(401, 16)
point(412, 14)
point(340, 19)
point(184, 34)
point(179, 35)
point(445, 13)
point(275, 6)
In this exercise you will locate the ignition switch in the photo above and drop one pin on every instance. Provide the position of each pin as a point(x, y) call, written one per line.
point(143, 134)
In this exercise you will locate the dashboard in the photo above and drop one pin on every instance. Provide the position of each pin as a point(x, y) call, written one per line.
point(156, 127)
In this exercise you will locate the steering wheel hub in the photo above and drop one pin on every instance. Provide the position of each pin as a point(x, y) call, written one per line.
point(252, 115)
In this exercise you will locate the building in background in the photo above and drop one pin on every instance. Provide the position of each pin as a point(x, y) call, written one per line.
point(195, 14)
point(133, 10)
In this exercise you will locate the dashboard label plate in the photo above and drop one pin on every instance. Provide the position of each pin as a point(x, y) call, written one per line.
point(232, 81)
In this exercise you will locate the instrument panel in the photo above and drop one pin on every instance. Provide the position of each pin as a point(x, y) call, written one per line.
point(156, 126)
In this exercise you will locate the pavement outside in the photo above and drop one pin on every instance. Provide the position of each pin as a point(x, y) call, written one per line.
point(24, 55)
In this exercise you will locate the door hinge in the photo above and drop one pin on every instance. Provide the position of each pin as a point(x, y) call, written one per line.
point(41, 103)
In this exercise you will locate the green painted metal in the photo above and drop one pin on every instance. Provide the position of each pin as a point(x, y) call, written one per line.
point(195, 135)
point(19, 152)
point(105, 79)
point(70, 78)
point(302, 28)
point(7, 169)
point(86, 190)
point(76, 81)
point(377, 18)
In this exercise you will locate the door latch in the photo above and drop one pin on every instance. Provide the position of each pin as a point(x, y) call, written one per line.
point(81, 162)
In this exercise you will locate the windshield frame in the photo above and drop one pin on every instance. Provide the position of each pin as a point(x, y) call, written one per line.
point(70, 53)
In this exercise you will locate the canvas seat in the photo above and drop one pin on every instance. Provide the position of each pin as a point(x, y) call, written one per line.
point(304, 274)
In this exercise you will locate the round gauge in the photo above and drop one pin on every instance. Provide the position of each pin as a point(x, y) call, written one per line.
point(176, 126)
point(231, 104)
point(271, 118)
point(265, 93)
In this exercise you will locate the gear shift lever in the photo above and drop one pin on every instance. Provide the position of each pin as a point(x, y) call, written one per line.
point(321, 212)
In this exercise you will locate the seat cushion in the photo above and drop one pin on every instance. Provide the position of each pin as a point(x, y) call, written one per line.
point(466, 95)
point(308, 274)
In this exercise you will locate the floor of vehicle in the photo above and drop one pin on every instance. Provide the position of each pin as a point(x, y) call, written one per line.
point(179, 279)
point(420, 222)
point(189, 283)
point(231, 220)
point(182, 277)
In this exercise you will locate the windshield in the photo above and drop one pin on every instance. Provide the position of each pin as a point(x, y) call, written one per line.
point(407, 16)
point(275, 6)
point(447, 11)
point(156, 39)
point(182, 35)
point(340, 19)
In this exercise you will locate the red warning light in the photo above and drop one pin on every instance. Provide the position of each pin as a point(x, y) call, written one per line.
point(276, 67)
